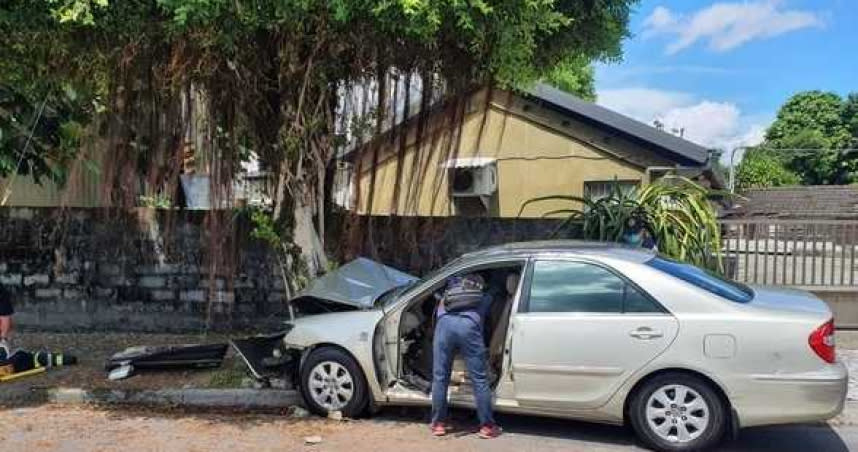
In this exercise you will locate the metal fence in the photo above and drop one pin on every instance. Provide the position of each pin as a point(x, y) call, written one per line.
point(805, 253)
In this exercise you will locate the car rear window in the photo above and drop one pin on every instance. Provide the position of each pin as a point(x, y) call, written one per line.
point(703, 279)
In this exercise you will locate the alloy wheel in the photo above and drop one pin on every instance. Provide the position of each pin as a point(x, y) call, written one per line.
point(331, 385)
point(677, 413)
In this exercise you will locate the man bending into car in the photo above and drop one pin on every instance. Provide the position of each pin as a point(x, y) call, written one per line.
point(459, 327)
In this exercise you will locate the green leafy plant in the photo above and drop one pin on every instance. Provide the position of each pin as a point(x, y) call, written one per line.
point(264, 227)
point(761, 169)
point(675, 211)
point(157, 201)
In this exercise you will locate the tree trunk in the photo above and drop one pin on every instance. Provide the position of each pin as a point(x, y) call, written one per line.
point(306, 236)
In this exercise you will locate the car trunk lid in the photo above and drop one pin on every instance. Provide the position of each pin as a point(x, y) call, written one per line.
point(790, 300)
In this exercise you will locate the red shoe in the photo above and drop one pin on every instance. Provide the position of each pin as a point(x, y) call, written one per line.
point(490, 431)
point(438, 429)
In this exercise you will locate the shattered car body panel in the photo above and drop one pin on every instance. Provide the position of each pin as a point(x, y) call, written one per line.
point(193, 355)
point(266, 357)
point(355, 285)
point(123, 364)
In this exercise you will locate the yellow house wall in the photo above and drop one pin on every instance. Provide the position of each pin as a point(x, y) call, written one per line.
point(539, 153)
point(80, 191)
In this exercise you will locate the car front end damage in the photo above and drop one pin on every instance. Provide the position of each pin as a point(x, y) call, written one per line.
point(268, 357)
point(338, 309)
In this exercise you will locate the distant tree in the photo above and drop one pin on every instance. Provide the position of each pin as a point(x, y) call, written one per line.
point(761, 168)
point(809, 135)
point(850, 117)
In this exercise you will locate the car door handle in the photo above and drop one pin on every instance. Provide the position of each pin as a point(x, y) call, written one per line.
point(645, 332)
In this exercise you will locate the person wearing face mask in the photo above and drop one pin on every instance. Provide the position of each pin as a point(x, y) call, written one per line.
point(637, 234)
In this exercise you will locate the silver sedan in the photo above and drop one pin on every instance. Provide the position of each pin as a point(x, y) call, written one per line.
point(579, 330)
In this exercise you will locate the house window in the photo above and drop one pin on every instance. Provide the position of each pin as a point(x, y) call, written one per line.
point(602, 189)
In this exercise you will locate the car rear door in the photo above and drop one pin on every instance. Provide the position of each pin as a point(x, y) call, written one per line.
point(580, 331)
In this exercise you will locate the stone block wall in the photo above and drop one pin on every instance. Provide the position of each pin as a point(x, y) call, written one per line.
point(149, 270)
point(420, 244)
point(138, 270)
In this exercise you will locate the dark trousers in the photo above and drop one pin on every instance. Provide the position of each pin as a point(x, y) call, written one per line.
point(459, 333)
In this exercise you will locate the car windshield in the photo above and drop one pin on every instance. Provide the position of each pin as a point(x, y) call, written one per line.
point(392, 294)
point(388, 297)
point(703, 279)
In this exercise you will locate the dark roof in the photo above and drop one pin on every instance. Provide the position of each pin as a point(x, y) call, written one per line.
point(810, 201)
point(671, 146)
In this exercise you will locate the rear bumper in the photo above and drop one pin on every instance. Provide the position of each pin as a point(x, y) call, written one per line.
point(790, 398)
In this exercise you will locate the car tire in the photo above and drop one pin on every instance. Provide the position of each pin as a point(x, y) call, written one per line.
point(678, 412)
point(331, 380)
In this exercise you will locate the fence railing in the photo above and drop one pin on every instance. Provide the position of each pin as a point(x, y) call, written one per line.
point(791, 252)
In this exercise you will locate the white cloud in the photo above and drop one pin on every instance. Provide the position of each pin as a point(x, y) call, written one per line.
point(643, 104)
point(660, 19)
point(727, 25)
point(709, 123)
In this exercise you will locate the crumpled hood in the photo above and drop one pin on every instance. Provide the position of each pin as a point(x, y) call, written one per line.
point(358, 283)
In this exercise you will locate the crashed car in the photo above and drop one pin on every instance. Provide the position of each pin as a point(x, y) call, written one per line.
point(578, 330)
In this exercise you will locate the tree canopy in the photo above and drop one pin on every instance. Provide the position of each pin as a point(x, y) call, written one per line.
point(761, 169)
point(221, 79)
point(574, 77)
point(811, 135)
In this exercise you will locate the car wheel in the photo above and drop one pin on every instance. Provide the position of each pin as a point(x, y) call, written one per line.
point(332, 381)
point(678, 412)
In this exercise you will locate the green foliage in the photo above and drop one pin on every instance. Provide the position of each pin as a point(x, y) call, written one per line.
point(675, 211)
point(811, 112)
point(158, 201)
point(850, 117)
point(811, 132)
point(254, 53)
point(264, 227)
point(40, 130)
point(265, 76)
point(760, 168)
point(79, 11)
point(575, 77)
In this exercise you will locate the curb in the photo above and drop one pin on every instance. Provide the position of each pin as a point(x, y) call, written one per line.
point(196, 398)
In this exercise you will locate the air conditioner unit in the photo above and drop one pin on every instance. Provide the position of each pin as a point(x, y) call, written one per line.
point(474, 181)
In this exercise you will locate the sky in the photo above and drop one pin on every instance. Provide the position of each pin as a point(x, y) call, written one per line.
point(720, 70)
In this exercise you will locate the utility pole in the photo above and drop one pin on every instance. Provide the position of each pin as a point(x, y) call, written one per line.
point(733, 168)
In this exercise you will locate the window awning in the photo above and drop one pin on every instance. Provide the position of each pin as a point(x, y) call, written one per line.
point(469, 162)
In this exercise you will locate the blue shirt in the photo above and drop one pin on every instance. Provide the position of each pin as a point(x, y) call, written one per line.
point(478, 315)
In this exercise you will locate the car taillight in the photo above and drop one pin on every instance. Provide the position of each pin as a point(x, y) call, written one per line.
point(822, 341)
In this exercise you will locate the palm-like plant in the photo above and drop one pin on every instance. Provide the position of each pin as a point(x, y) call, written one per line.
point(675, 211)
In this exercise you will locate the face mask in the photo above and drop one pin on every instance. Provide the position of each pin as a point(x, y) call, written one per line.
point(633, 238)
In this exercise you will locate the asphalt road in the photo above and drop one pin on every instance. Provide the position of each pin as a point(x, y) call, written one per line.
point(75, 428)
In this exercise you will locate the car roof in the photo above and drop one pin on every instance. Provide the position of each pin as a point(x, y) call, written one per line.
point(565, 247)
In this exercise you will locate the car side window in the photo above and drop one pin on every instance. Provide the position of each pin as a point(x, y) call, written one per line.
point(565, 286)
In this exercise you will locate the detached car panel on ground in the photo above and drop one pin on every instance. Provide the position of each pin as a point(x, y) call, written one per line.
point(581, 330)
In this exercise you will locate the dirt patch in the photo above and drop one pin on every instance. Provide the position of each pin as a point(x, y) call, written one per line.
point(49, 428)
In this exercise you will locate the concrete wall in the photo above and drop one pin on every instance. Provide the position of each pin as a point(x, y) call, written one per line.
point(138, 270)
point(539, 152)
